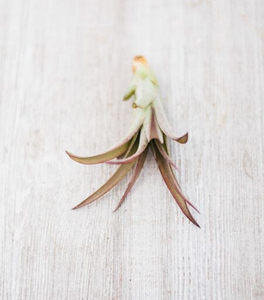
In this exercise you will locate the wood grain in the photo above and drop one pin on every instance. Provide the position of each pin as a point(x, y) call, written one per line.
point(64, 66)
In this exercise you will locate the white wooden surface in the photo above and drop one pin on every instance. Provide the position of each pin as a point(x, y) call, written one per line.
point(64, 66)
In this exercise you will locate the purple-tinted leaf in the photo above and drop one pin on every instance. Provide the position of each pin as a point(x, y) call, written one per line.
point(143, 143)
point(165, 171)
point(166, 148)
point(140, 163)
point(164, 153)
point(164, 123)
point(100, 158)
point(111, 182)
point(116, 151)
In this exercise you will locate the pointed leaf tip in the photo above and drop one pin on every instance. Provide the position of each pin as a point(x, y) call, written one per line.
point(100, 158)
point(172, 185)
point(68, 153)
point(117, 150)
point(164, 123)
point(183, 139)
point(78, 206)
point(119, 174)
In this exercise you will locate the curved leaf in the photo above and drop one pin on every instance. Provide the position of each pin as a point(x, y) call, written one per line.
point(143, 143)
point(166, 148)
point(111, 182)
point(100, 158)
point(164, 123)
point(165, 171)
point(164, 153)
point(116, 151)
point(136, 172)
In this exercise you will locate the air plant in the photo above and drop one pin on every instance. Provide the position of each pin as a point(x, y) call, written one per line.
point(149, 128)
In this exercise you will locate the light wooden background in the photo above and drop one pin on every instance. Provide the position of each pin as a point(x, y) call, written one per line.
point(64, 66)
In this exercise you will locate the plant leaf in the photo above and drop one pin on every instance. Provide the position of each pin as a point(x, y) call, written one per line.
point(151, 126)
point(143, 143)
point(111, 182)
point(180, 191)
point(147, 123)
point(100, 158)
point(166, 148)
point(164, 123)
point(130, 92)
point(165, 171)
point(131, 151)
point(164, 153)
point(136, 172)
point(116, 151)
point(157, 128)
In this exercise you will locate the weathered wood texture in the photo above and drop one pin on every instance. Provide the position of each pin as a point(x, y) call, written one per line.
point(64, 66)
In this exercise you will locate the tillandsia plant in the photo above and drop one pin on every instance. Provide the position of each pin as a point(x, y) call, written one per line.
point(149, 128)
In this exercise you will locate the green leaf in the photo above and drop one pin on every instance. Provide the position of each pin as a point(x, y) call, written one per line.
point(130, 92)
